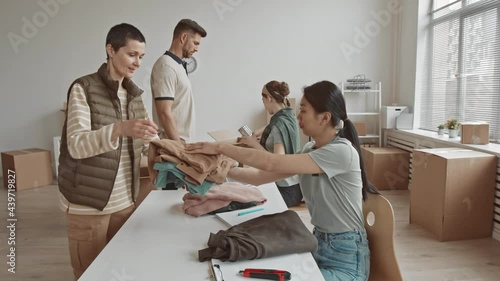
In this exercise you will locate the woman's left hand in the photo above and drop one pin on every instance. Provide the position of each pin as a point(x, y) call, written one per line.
point(209, 148)
point(250, 141)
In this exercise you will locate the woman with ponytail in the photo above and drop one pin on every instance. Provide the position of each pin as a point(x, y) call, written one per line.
point(332, 180)
point(280, 136)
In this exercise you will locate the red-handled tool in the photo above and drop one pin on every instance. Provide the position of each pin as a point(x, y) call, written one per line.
point(269, 274)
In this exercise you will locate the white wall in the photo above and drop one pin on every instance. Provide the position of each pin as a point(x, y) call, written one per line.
point(408, 56)
point(248, 44)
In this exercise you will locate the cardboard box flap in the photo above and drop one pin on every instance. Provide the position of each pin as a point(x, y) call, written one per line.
point(23, 151)
point(225, 136)
point(385, 150)
point(454, 153)
point(474, 123)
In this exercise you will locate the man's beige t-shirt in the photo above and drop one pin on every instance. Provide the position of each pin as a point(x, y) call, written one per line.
point(169, 81)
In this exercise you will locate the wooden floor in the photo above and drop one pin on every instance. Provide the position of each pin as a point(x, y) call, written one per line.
point(42, 252)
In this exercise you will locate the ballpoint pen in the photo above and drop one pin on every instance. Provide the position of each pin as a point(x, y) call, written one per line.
point(269, 274)
point(250, 211)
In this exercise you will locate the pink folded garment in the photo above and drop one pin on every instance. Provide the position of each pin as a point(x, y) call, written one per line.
point(220, 196)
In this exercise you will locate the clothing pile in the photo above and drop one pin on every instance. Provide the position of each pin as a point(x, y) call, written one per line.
point(198, 172)
point(266, 236)
point(228, 196)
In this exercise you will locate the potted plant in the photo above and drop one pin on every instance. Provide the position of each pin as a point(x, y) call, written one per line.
point(441, 129)
point(452, 126)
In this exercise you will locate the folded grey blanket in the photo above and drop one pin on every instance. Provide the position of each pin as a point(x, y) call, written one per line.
point(265, 236)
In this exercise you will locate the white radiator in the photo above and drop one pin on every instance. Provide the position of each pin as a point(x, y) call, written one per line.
point(402, 142)
point(408, 143)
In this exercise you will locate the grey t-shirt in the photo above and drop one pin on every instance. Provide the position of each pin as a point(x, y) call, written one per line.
point(274, 138)
point(334, 198)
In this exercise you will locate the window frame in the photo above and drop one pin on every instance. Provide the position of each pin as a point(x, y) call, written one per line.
point(462, 14)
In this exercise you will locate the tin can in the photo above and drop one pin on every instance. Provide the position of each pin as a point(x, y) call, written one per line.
point(245, 131)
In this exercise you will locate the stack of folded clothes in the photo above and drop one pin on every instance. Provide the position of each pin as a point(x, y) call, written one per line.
point(199, 172)
point(228, 196)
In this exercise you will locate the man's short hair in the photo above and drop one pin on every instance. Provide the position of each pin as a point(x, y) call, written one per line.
point(119, 35)
point(188, 25)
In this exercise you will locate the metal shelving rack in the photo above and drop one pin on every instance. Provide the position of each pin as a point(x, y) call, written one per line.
point(365, 105)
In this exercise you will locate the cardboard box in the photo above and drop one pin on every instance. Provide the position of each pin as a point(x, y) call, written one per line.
point(27, 168)
point(226, 136)
point(360, 128)
point(368, 144)
point(387, 168)
point(452, 192)
point(475, 133)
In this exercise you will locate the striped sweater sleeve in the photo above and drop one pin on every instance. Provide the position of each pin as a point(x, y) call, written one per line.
point(83, 142)
point(146, 142)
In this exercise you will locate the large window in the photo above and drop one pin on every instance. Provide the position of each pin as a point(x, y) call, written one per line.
point(461, 77)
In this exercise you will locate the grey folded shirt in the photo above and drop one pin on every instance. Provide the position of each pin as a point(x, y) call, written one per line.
point(266, 236)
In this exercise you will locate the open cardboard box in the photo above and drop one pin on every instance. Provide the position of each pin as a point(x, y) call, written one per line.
point(225, 136)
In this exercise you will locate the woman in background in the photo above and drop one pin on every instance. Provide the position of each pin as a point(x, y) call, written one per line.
point(280, 136)
point(332, 179)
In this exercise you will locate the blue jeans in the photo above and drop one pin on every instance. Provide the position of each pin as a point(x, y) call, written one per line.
point(343, 256)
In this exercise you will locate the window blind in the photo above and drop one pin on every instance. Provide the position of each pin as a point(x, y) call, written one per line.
point(461, 74)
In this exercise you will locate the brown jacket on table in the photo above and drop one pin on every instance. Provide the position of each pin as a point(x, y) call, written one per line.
point(262, 237)
point(198, 167)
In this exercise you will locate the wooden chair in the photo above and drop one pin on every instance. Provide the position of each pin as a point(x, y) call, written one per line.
point(379, 224)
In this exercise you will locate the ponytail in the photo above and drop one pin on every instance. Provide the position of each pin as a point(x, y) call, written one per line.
point(325, 96)
point(349, 132)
